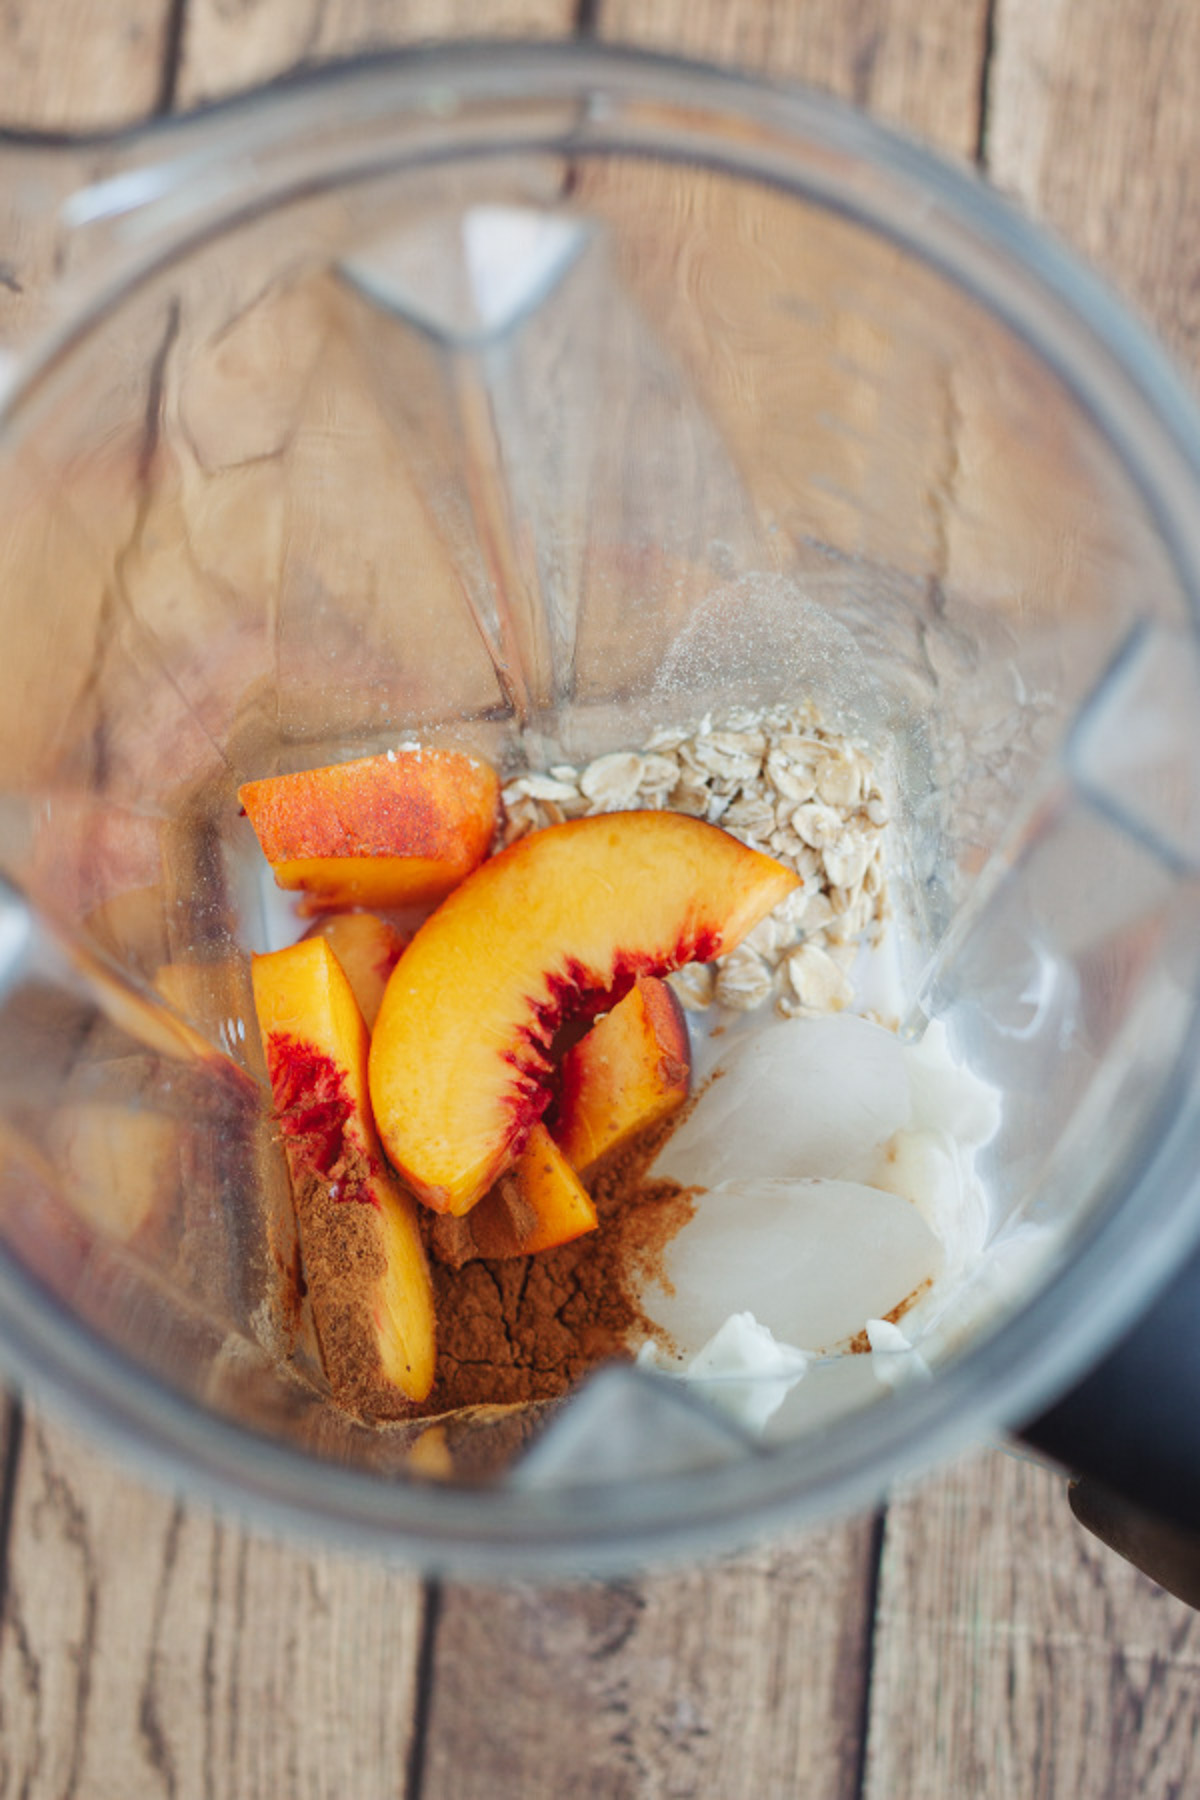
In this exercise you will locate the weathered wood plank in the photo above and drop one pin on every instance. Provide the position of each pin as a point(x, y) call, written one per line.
point(68, 65)
point(228, 48)
point(65, 66)
point(774, 316)
point(743, 1680)
point(1014, 1655)
point(951, 1544)
point(916, 63)
point(1018, 1659)
point(150, 1647)
point(1093, 123)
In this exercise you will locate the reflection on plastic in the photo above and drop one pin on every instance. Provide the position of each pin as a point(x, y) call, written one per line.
point(1130, 751)
point(469, 277)
point(626, 1424)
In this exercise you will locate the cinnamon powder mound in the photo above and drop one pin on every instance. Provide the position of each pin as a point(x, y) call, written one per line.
point(524, 1328)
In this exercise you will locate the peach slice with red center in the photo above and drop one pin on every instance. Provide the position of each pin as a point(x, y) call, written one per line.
point(562, 920)
point(399, 829)
point(368, 948)
point(632, 1069)
point(364, 1262)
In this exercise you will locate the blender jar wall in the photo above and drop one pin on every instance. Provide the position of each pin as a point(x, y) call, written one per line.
point(283, 502)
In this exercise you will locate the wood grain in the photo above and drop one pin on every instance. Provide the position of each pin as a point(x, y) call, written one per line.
point(68, 65)
point(1016, 1658)
point(743, 1680)
point(916, 63)
point(65, 66)
point(230, 47)
point(1093, 124)
point(149, 1647)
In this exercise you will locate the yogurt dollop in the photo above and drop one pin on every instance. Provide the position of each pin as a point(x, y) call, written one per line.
point(836, 1187)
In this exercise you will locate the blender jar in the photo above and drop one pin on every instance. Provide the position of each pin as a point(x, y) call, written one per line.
point(528, 401)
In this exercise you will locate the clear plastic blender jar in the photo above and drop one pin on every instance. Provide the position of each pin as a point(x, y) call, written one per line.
point(536, 399)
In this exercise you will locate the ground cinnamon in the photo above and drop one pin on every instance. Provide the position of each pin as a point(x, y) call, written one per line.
point(336, 1205)
point(520, 1329)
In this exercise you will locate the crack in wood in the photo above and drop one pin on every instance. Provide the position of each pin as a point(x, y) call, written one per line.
point(624, 1604)
point(208, 1667)
point(240, 1585)
point(64, 1507)
point(984, 99)
point(91, 689)
point(873, 1581)
point(150, 1726)
point(174, 33)
point(152, 423)
point(14, 1438)
point(418, 1750)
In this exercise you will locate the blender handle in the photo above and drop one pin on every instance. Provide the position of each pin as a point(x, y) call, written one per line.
point(1169, 1555)
point(1130, 1431)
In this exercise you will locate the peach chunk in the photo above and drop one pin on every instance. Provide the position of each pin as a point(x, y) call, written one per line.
point(400, 829)
point(368, 949)
point(121, 1165)
point(561, 920)
point(538, 1205)
point(561, 1206)
point(364, 1261)
point(631, 1070)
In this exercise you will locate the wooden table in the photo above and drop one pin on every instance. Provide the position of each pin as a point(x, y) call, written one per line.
point(970, 1641)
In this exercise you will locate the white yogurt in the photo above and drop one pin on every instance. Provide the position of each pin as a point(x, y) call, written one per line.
point(835, 1177)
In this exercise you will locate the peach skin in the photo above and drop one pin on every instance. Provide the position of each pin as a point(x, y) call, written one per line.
point(368, 948)
point(364, 1261)
point(399, 829)
point(554, 927)
point(631, 1070)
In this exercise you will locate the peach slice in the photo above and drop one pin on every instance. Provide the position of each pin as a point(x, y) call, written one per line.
point(538, 1205)
point(631, 1070)
point(562, 919)
point(122, 1166)
point(364, 1261)
point(400, 829)
point(547, 1184)
point(368, 949)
